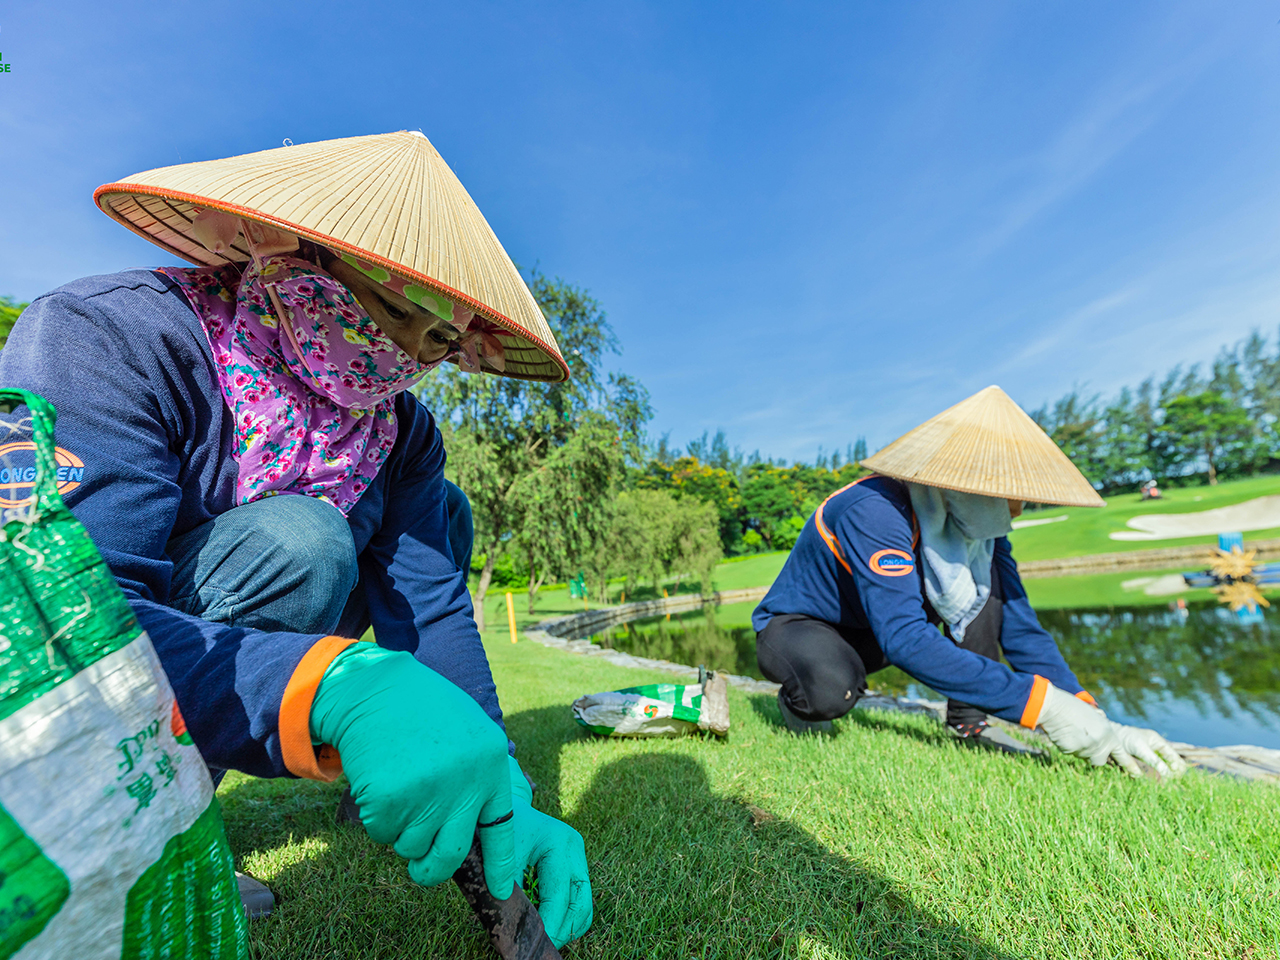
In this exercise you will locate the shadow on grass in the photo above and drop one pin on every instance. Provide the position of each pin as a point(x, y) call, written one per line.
point(888, 724)
point(677, 871)
point(680, 872)
point(766, 708)
point(340, 895)
point(539, 734)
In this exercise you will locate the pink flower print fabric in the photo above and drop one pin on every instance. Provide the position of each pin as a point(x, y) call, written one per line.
point(309, 378)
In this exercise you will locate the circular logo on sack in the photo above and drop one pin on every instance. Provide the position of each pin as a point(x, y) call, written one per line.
point(892, 563)
point(18, 474)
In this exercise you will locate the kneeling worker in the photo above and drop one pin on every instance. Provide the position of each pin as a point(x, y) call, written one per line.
point(265, 488)
point(911, 567)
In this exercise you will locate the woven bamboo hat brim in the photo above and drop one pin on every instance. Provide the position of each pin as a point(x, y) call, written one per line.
point(987, 445)
point(388, 199)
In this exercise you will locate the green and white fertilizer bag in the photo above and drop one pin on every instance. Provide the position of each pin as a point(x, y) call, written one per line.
point(658, 709)
point(111, 843)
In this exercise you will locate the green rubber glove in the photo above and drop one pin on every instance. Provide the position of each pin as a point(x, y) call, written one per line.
point(424, 760)
point(555, 851)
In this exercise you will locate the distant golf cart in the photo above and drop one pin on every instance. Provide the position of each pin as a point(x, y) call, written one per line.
point(1151, 491)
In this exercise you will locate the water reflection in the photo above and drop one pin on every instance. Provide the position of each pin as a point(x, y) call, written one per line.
point(693, 637)
point(1196, 674)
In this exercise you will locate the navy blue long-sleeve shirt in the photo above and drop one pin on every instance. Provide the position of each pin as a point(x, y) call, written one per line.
point(854, 566)
point(126, 363)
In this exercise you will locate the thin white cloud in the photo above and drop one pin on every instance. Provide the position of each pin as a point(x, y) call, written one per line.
point(1068, 329)
point(1121, 111)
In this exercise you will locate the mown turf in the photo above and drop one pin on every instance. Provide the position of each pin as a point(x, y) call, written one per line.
point(749, 571)
point(1107, 590)
point(886, 840)
point(1086, 530)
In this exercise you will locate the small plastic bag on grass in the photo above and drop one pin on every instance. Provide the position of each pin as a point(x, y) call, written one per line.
point(658, 709)
point(111, 843)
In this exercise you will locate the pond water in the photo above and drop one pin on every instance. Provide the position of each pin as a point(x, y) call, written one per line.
point(1196, 675)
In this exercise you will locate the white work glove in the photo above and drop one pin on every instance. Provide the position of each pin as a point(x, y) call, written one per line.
point(1080, 729)
point(1151, 748)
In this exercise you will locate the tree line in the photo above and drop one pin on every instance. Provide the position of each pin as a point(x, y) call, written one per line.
point(548, 468)
point(1186, 427)
point(564, 482)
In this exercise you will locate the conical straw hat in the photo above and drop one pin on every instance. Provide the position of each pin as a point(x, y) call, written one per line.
point(986, 445)
point(388, 199)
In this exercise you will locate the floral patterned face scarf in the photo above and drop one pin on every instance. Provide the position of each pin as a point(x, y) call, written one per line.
point(478, 337)
point(309, 378)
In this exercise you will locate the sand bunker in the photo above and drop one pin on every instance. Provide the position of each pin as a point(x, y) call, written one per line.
point(1020, 524)
point(1257, 514)
point(1164, 586)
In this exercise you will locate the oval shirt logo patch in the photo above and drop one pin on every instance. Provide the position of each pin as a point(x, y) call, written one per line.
point(18, 479)
point(892, 563)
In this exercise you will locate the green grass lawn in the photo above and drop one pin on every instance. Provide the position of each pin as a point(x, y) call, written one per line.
point(759, 570)
point(1107, 590)
point(886, 840)
point(1086, 530)
point(1048, 593)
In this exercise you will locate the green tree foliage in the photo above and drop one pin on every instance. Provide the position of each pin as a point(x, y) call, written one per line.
point(499, 431)
point(642, 532)
point(694, 547)
point(758, 504)
point(1211, 426)
point(1185, 426)
point(689, 477)
point(562, 480)
point(9, 311)
point(568, 508)
point(657, 537)
point(770, 498)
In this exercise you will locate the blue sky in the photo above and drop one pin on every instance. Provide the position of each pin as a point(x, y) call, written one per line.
point(807, 222)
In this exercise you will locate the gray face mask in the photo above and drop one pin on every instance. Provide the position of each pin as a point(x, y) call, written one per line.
point(957, 541)
point(977, 517)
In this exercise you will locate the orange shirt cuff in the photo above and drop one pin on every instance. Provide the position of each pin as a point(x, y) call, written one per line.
point(300, 757)
point(1087, 697)
point(1035, 702)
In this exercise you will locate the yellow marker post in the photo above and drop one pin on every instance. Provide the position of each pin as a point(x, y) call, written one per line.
point(511, 615)
point(664, 596)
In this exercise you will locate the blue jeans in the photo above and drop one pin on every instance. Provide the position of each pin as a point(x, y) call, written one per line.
point(285, 563)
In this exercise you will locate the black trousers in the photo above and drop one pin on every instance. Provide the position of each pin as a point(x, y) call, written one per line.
point(823, 672)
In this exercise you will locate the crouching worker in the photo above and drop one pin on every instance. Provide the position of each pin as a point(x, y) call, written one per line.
point(912, 567)
point(264, 489)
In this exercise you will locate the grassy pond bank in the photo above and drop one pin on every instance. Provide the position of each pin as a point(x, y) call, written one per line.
point(1196, 674)
point(887, 839)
